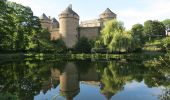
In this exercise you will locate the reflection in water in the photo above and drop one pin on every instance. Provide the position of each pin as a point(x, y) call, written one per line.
point(24, 80)
point(69, 83)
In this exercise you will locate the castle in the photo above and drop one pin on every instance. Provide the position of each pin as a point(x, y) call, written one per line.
point(69, 29)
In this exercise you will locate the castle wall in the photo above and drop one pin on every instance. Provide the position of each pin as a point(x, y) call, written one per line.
point(46, 25)
point(90, 23)
point(55, 34)
point(89, 32)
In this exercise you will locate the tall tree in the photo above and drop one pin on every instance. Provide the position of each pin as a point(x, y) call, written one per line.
point(115, 38)
point(138, 33)
point(152, 28)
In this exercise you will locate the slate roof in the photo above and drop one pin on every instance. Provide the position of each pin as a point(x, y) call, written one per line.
point(43, 16)
point(108, 11)
point(54, 20)
point(69, 10)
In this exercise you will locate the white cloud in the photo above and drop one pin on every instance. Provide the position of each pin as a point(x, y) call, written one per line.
point(157, 10)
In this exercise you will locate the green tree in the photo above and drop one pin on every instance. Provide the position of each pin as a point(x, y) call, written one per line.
point(59, 45)
point(84, 45)
point(115, 38)
point(152, 28)
point(7, 26)
point(165, 44)
point(166, 22)
point(138, 32)
point(27, 27)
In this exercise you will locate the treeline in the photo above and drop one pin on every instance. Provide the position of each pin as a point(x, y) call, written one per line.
point(21, 31)
point(115, 39)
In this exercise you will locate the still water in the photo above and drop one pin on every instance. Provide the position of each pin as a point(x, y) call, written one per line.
point(83, 80)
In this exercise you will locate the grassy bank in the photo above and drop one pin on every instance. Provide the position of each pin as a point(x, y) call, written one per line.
point(93, 57)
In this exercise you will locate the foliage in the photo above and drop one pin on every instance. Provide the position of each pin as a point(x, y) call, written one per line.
point(137, 32)
point(84, 45)
point(152, 28)
point(21, 31)
point(116, 39)
point(20, 27)
point(59, 45)
point(166, 22)
point(165, 44)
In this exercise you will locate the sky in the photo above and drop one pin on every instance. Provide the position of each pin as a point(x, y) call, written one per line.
point(129, 12)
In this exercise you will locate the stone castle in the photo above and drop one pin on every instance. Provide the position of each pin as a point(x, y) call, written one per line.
point(70, 30)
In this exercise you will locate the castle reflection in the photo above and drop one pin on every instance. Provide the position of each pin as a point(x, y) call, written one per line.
point(70, 77)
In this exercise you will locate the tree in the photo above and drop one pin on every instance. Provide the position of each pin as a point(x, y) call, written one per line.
point(115, 38)
point(138, 34)
point(7, 26)
point(152, 28)
point(18, 27)
point(166, 22)
point(27, 27)
point(165, 44)
point(84, 45)
point(59, 45)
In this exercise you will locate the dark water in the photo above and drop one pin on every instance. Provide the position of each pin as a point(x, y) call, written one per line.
point(83, 80)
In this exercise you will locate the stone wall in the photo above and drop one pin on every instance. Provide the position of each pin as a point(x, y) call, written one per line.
point(55, 34)
point(46, 25)
point(90, 23)
point(68, 30)
point(89, 32)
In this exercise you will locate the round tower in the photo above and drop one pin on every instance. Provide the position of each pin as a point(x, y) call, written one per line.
point(69, 22)
point(106, 16)
point(45, 22)
point(69, 81)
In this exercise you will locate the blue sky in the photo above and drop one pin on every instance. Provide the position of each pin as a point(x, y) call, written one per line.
point(128, 11)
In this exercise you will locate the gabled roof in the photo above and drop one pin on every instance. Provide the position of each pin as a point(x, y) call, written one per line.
point(43, 16)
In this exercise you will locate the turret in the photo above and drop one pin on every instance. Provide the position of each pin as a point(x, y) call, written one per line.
point(107, 15)
point(45, 22)
point(69, 22)
point(54, 23)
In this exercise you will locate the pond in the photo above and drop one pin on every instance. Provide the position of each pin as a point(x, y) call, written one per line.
point(83, 80)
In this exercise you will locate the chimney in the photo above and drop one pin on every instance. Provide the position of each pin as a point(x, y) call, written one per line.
point(49, 17)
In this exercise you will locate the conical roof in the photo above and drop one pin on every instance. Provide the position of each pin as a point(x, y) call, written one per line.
point(69, 10)
point(44, 17)
point(55, 23)
point(54, 20)
point(108, 14)
point(108, 11)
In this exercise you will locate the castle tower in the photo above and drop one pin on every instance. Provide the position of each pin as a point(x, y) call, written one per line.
point(45, 22)
point(69, 81)
point(107, 15)
point(69, 22)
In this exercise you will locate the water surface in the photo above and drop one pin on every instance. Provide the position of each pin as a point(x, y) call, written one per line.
point(83, 80)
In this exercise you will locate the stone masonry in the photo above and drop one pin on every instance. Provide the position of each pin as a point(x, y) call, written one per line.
point(69, 29)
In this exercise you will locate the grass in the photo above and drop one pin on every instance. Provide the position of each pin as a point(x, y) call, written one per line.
point(153, 45)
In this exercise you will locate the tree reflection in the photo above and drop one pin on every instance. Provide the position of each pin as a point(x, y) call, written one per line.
point(24, 80)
